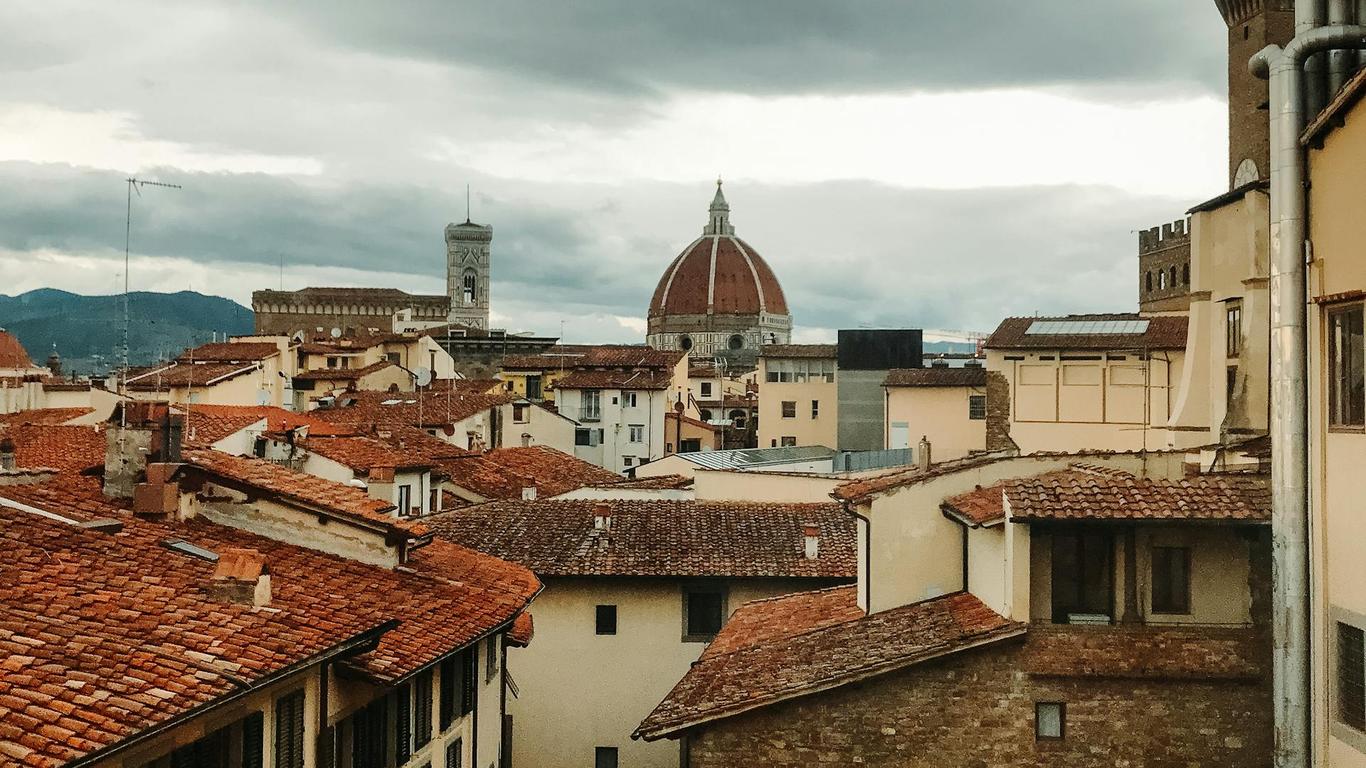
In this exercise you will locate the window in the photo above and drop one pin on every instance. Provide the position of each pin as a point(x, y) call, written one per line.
point(690, 445)
point(684, 343)
point(789, 409)
point(368, 730)
point(450, 683)
point(736, 342)
point(392, 357)
point(254, 740)
point(704, 610)
point(1351, 676)
point(1185, 274)
point(1346, 382)
point(628, 461)
point(636, 433)
point(737, 419)
point(470, 283)
point(592, 405)
point(1233, 328)
point(1148, 282)
point(1172, 280)
point(977, 407)
point(1161, 280)
point(706, 415)
point(405, 499)
point(455, 754)
point(815, 409)
point(1171, 580)
point(606, 619)
point(1083, 577)
point(1050, 719)
point(789, 441)
point(289, 730)
point(490, 659)
point(533, 387)
point(422, 709)
point(604, 757)
point(403, 724)
point(520, 414)
point(628, 399)
point(706, 389)
point(1230, 384)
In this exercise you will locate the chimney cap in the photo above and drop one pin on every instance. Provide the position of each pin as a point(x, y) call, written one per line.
point(811, 529)
point(240, 564)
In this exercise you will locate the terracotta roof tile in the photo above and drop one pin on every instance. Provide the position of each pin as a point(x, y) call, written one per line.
point(979, 507)
point(45, 416)
point(117, 655)
point(523, 628)
point(830, 351)
point(865, 488)
point(343, 374)
point(67, 448)
point(555, 472)
point(659, 482)
point(594, 379)
point(782, 648)
point(12, 352)
point(1163, 332)
point(569, 356)
point(369, 408)
point(189, 375)
point(363, 453)
point(207, 424)
point(967, 376)
point(657, 537)
point(1081, 495)
point(230, 352)
point(720, 274)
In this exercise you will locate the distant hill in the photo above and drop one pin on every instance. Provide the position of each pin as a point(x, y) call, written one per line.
point(88, 330)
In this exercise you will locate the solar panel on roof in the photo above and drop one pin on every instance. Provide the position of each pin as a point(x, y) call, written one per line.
point(1087, 328)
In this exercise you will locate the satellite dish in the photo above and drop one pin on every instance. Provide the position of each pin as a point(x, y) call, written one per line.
point(336, 333)
point(423, 376)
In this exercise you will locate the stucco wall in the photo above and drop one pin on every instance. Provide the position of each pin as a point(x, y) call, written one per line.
point(808, 431)
point(939, 414)
point(763, 486)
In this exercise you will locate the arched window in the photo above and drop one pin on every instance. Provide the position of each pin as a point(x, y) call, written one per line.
point(684, 343)
point(1161, 280)
point(737, 418)
point(706, 415)
point(1185, 274)
point(471, 281)
point(1148, 282)
point(737, 341)
point(1173, 280)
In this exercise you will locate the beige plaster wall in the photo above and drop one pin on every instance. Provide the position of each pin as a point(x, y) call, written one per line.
point(709, 484)
point(938, 413)
point(808, 431)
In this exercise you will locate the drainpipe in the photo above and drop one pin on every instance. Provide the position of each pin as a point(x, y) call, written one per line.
point(1341, 61)
point(1289, 75)
point(1311, 15)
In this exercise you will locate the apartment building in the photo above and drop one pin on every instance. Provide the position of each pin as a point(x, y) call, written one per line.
point(945, 406)
point(798, 395)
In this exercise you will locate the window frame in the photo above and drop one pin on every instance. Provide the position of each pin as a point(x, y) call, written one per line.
point(635, 433)
point(1183, 606)
point(815, 409)
point(590, 405)
point(703, 588)
point(1341, 696)
point(295, 741)
point(1233, 328)
point(977, 407)
point(1339, 418)
point(1080, 536)
point(787, 441)
point(423, 721)
point(788, 409)
point(1062, 720)
point(405, 500)
point(601, 614)
point(705, 389)
point(601, 752)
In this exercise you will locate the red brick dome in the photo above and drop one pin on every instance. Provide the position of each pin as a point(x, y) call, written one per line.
point(718, 274)
point(12, 353)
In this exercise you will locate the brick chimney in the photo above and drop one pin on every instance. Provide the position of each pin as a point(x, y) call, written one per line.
point(138, 433)
point(529, 491)
point(811, 536)
point(6, 453)
point(922, 453)
point(602, 516)
point(241, 577)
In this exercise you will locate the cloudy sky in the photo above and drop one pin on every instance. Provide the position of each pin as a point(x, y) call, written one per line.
point(929, 163)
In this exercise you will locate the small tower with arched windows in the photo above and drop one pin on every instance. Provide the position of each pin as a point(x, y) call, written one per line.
point(467, 272)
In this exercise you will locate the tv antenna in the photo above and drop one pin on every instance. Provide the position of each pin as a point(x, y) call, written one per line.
point(467, 203)
point(134, 185)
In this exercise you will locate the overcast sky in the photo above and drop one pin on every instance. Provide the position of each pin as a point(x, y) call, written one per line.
point(927, 163)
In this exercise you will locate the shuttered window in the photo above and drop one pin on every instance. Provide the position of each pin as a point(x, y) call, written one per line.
point(253, 740)
point(367, 735)
point(449, 671)
point(455, 754)
point(289, 730)
point(470, 671)
point(422, 710)
point(1351, 676)
point(403, 724)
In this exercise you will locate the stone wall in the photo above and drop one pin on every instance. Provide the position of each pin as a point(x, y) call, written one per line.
point(998, 412)
point(1124, 707)
point(1164, 263)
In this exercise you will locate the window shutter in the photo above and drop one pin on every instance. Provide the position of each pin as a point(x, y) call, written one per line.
point(403, 724)
point(449, 670)
point(470, 658)
point(289, 730)
point(422, 706)
point(253, 740)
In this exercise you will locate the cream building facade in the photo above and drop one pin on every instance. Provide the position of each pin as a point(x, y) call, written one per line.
point(798, 396)
point(945, 406)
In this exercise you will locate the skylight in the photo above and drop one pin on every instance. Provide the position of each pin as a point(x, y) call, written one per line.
point(186, 548)
point(1087, 328)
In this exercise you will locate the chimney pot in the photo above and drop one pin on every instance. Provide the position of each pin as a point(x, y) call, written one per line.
point(242, 577)
point(923, 453)
point(529, 491)
point(811, 533)
point(602, 516)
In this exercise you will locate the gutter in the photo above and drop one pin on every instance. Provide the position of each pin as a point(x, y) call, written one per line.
point(359, 643)
point(867, 576)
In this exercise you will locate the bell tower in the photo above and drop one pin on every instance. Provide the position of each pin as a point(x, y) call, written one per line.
point(1252, 25)
point(467, 273)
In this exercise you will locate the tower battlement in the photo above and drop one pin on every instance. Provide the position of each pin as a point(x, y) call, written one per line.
point(1171, 235)
point(1164, 267)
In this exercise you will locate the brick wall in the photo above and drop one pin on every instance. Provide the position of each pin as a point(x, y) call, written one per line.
point(998, 412)
point(1208, 706)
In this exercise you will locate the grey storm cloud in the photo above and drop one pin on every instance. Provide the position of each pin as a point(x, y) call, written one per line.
point(795, 46)
point(848, 253)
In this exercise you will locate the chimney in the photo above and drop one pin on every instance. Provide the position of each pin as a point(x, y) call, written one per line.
point(241, 577)
point(6, 454)
point(602, 516)
point(529, 491)
point(811, 534)
point(139, 433)
point(922, 454)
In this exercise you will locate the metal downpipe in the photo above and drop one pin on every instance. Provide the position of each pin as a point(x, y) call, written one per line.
point(1310, 15)
point(1287, 71)
point(1341, 61)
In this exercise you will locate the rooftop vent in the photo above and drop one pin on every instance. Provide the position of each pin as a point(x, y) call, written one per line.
point(602, 516)
point(811, 533)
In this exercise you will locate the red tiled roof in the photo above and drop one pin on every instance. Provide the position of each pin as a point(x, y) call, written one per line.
point(415, 409)
point(718, 274)
point(523, 628)
point(782, 648)
point(363, 453)
point(485, 479)
point(207, 424)
point(12, 353)
point(822, 351)
point(659, 482)
point(1082, 495)
point(594, 379)
point(44, 415)
point(342, 374)
point(657, 537)
point(107, 635)
point(569, 356)
point(229, 352)
point(555, 472)
point(1164, 332)
point(342, 500)
point(967, 376)
point(187, 375)
point(66, 448)
point(867, 487)
point(979, 507)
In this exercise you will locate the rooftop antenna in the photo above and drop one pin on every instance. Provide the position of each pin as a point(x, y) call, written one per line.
point(134, 185)
point(467, 203)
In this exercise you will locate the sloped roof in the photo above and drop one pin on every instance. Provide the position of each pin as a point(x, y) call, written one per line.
point(978, 507)
point(79, 678)
point(555, 472)
point(44, 415)
point(743, 458)
point(416, 409)
point(967, 376)
point(1082, 495)
point(657, 537)
point(66, 448)
point(830, 351)
point(343, 374)
point(783, 648)
point(652, 378)
point(1161, 332)
point(230, 352)
point(363, 454)
point(12, 353)
point(207, 424)
point(188, 375)
point(570, 356)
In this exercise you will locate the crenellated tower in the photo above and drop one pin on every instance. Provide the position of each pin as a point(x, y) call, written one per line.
point(1252, 25)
